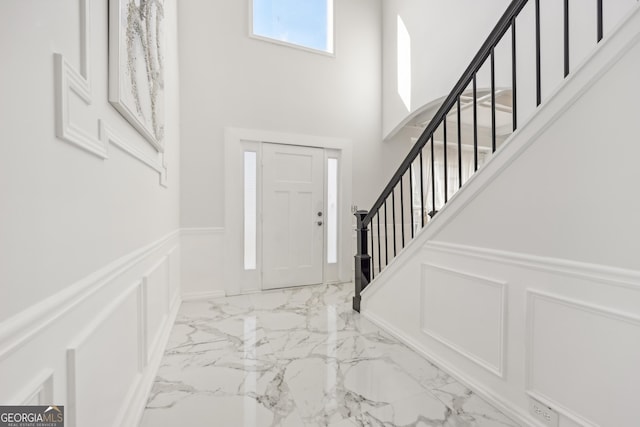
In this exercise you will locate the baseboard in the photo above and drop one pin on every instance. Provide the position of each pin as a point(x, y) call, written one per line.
point(197, 296)
point(520, 417)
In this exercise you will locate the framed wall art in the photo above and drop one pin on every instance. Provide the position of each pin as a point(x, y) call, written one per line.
point(136, 71)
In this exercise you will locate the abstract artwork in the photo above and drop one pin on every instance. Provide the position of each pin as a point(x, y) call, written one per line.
point(136, 72)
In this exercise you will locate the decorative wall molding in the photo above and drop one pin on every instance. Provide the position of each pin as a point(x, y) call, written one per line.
point(133, 413)
point(592, 272)
point(570, 303)
point(507, 408)
point(152, 338)
point(21, 328)
point(157, 163)
point(37, 391)
point(73, 371)
point(496, 367)
point(67, 81)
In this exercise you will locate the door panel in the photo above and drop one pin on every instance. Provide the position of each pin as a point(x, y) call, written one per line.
point(292, 244)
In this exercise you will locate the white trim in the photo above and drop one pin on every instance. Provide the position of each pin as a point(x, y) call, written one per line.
point(592, 272)
point(497, 370)
point(606, 54)
point(200, 296)
point(67, 80)
point(77, 343)
point(236, 139)
point(412, 115)
point(507, 408)
point(41, 385)
point(531, 295)
point(20, 329)
point(152, 343)
point(134, 403)
point(132, 415)
point(157, 163)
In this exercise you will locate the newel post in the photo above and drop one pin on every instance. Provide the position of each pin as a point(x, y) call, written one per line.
point(362, 259)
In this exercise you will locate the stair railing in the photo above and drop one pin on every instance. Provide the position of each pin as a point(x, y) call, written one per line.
point(380, 254)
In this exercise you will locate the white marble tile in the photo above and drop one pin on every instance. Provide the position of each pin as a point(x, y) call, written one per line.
point(300, 357)
point(471, 408)
point(199, 410)
point(419, 410)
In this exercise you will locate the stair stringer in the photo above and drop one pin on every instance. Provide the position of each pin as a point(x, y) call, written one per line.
point(390, 300)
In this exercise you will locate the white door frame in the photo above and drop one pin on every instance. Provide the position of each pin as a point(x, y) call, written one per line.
point(237, 141)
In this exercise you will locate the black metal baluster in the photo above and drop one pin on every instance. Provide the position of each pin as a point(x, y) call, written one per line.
point(373, 268)
point(386, 240)
point(459, 147)
point(433, 180)
point(514, 106)
point(600, 30)
point(566, 38)
point(538, 70)
point(379, 251)
point(411, 198)
point(446, 166)
point(402, 207)
point(493, 102)
point(393, 218)
point(421, 191)
point(475, 125)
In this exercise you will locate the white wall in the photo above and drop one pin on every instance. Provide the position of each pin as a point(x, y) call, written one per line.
point(444, 37)
point(526, 285)
point(88, 245)
point(229, 80)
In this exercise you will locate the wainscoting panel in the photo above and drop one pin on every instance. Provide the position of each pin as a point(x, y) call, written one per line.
point(156, 302)
point(86, 347)
point(465, 312)
point(515, 327)
point(107, 353)
point(578, 353)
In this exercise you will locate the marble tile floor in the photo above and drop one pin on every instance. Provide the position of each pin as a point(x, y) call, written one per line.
point(300, 357)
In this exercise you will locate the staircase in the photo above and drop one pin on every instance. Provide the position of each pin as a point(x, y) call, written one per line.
point(520, 278)
point(434, 170)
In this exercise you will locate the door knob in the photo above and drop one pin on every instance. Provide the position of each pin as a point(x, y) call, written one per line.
point(319, 222)
point(319, 213)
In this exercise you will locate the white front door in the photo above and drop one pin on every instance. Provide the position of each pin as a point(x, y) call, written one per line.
point(292, 215)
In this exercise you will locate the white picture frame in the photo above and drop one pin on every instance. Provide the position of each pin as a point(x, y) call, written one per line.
point(136, 65)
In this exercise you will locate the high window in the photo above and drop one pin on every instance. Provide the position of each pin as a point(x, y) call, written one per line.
point(307, 24)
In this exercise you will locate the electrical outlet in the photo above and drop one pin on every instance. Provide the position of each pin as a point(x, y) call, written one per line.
point(548, 416)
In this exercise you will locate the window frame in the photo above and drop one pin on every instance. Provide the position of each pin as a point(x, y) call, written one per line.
point(330, 31)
